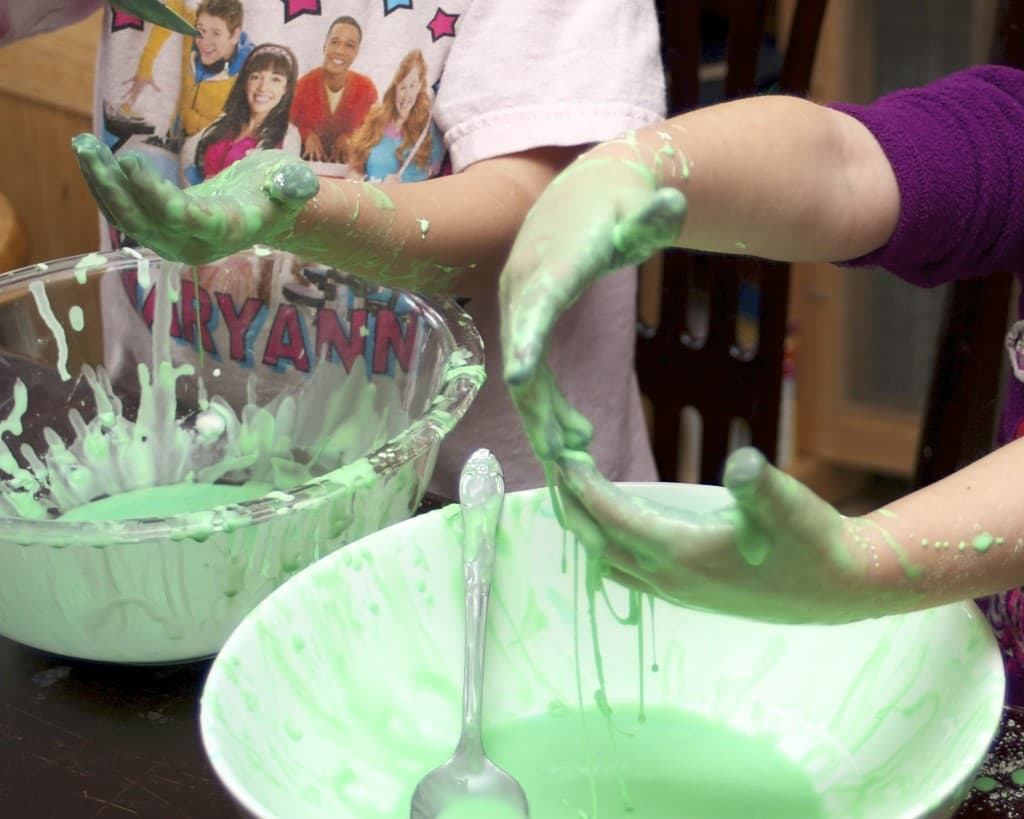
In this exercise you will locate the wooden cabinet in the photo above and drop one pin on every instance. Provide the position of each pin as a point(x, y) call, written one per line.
point(46, 92)
point(866, 340)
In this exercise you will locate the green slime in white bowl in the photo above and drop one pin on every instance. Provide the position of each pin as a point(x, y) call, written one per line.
point(340, 690)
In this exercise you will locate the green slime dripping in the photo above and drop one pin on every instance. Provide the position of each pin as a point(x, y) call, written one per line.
point(166, 501)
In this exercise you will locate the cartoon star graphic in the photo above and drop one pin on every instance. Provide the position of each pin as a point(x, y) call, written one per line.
point(295, 8)
point(442, 25)
point(122, 20)
point(394, 5)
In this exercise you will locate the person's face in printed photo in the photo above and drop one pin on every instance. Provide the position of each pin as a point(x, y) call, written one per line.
point(406, 92)
point(340, 49)
point(214, 40)
point(264, 89)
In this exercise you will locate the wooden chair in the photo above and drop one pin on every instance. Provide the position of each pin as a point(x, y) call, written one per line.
point(696, 347)
point(961, 410)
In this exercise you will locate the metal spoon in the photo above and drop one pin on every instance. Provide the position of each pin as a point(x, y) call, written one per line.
point(468, 772)
point(156, 12)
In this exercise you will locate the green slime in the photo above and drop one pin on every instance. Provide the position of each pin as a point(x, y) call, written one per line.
point(675, 763)
point(295, 438)
point(165, 501)
point(134, 539)
point(479, 808)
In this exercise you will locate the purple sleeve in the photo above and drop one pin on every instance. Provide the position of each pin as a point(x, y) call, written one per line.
point(957, 149)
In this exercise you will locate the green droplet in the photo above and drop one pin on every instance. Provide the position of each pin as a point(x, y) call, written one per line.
point(985, 784)
point(982, 542)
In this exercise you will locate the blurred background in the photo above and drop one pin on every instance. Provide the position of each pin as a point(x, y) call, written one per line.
point(861, 343)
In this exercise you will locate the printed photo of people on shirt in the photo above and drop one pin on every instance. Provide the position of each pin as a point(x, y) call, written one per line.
point(317, 94)
point(348, 85)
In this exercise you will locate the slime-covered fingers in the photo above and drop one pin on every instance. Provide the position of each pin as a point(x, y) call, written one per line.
point(779, 553)
point(534, 291)
point(655, 226)
point(636, 534)
point(115, 185)
point(551, 423)
point(254, 200)
point(772, 505)
point(544, 277)
point(290, 183)
point(152, 209)
point(597, 216)
point(103, 174)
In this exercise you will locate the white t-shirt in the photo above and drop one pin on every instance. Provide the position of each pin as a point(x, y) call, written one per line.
point(505, 76)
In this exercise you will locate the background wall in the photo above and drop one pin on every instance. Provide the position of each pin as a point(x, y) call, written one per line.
point(46, 86)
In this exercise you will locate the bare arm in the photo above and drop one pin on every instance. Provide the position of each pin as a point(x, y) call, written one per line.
point(965, 532)
point(451, 232)
point(773, 176)
point(780, 553)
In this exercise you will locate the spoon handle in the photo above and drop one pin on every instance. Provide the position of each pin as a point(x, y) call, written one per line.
point(481, 494)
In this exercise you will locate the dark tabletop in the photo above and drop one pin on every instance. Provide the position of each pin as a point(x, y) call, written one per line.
point(88, 739)
point(996, 794)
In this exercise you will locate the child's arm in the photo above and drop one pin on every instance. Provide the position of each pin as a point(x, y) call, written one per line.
point(783, 178)
point(782, 554)
point(923, 182)
point(439, 234)
point(776, 177)
point(772, 176)
point(442, 234)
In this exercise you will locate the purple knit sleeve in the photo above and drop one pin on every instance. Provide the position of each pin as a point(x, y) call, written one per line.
point(957, 149)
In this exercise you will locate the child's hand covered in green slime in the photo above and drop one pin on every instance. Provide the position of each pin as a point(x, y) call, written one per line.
point(779, 553)
point(597, 216)
point(254, 200)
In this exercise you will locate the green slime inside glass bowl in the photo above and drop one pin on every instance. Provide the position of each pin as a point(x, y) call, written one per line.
point(153, 489)
point(343, 688)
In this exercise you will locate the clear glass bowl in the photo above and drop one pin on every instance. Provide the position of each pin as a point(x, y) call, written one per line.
point(156, 484)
